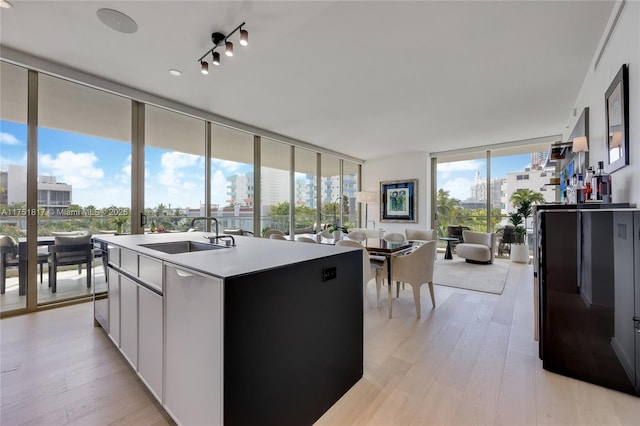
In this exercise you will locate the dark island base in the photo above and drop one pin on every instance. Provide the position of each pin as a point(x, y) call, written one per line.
point(293, 343)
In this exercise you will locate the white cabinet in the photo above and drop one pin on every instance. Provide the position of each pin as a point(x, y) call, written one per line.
point(114, 305)
point(150, 340)
point(193, 347)
point(129, 320)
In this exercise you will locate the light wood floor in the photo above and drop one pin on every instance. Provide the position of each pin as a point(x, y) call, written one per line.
point(472, 361)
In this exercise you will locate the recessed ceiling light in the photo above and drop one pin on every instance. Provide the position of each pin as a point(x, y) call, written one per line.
point(117, 21)
point(175, 72)
point(5, 4)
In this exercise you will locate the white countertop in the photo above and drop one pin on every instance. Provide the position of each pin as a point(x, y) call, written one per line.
point(249, 255)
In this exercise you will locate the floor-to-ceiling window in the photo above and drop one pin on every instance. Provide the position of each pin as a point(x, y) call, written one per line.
point(525, 173)
point(13, 182)
point(232, 178)
point(306, 199)
point(84, 185)
point(92, 153)
point(350, 173)
point(174, 162)
point(475, 193)
point(462, 193)
point(275, 185)
point(333, 204)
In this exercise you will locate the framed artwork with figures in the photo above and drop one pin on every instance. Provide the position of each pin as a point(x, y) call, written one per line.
point(399, 201)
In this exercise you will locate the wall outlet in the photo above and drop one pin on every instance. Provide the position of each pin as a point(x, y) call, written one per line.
point(329, 273)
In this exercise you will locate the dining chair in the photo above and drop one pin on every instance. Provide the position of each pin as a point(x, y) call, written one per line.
point(420, 234)
point(70, 250)
point(371, 269)
point(305, 239)
point(269, 232)
point(358, 236)
point(394, 237)
point(415, 269)
point(326, 235)
point(278, 237)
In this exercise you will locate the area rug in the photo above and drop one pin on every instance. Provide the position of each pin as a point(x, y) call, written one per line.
point(458, 273)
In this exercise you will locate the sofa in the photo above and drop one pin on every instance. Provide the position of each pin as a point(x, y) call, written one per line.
point(478, 247)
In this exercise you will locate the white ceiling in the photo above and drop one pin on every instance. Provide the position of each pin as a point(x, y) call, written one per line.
point(365, 78)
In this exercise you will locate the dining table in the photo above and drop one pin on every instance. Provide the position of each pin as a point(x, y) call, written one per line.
point(387, 249)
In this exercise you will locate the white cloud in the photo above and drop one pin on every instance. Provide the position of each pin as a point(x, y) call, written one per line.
point(445, 169)
point(459, 188)
point(230, 166)
point(76, 169)
point(218, 188)
point(8, 139)
point(125, 176)
point(178, 160)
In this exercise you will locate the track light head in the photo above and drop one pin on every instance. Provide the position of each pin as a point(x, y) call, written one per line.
point(244, 38)
point(216, 59)
point(204, 67)
point(228, 48)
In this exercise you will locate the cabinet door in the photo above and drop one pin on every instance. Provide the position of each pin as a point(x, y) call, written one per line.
point(129, 320)
point(636, 280)
point(150, 339)
point(114, 306)
point(193, 347)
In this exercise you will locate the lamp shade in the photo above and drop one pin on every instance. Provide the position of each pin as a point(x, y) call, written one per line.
point(366, 197)
point(580, 144)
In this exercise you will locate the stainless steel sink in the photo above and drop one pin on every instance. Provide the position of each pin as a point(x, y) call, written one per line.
point(176, 247)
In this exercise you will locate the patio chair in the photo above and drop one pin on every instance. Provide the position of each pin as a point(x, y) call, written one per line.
point(8, 258)
point(72, 250)
point(506, 237)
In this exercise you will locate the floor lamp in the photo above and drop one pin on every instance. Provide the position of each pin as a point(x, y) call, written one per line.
point(366, 198)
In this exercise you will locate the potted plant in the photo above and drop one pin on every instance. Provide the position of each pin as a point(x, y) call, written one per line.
point(522, 200)
point(337, 231)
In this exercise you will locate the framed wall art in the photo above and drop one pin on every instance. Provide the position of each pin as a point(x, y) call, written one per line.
point(399, 201)
point(617, 114)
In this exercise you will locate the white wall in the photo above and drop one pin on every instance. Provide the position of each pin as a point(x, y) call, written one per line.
point(406, 166)
point(623, 47)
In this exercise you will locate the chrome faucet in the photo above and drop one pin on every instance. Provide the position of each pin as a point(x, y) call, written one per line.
point(193, 221)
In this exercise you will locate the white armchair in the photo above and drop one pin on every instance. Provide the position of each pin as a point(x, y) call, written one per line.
point(478, 247)
point(415, 268)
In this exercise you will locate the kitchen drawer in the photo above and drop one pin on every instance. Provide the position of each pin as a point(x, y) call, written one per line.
point(150, 272)
point(114, 255)
point(129, 261)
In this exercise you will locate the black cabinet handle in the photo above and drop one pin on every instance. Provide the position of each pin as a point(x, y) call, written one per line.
point(143, 219)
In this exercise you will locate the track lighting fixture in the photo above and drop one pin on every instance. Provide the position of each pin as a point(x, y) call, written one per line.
point(220, 40)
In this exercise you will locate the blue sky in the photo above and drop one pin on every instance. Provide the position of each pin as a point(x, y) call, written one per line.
point(457, 177)
point(100, 169)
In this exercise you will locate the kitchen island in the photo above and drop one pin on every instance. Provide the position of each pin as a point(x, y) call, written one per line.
point(262, 332)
